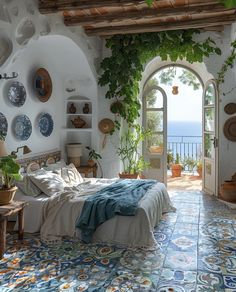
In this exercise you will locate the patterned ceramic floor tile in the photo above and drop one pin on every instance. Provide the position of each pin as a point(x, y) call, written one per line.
point(186, 261)
point(194, 255)
point(183, 243)
point(185, 280)
point(217, 229)
point(211, 263)
point(230, 283)
point(209, 281)
point(186, 229)
point(188, 219)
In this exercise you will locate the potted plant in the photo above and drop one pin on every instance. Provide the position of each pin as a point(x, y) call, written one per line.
point(94, 157)
point(191, 163)
point(199, 168)
point(170, 158)
point(9, 172)
point(176, 167)
point(128, 151)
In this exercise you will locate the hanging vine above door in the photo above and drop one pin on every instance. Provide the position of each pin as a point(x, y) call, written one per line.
point(122, 71)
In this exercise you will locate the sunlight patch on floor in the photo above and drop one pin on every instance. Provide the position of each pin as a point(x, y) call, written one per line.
point(186, 183)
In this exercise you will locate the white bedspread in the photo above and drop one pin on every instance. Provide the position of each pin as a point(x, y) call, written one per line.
point(61, 211)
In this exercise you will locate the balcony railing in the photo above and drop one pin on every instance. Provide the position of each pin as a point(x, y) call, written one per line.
point(188, 147)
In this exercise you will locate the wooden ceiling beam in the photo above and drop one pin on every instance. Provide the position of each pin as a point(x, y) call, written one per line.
point(146, 14)
point(152, 27)
point(52, 6)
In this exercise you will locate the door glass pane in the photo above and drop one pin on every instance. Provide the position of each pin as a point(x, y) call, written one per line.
point(154, 121)
point(155, 143)
point(154, 99)
point(209, 119)
point(210, 95)
point(209, 145)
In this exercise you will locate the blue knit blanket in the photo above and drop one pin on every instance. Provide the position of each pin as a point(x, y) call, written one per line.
point(120, 198)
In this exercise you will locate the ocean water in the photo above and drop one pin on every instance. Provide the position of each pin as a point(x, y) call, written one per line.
point(185, 142)
point(184, 128)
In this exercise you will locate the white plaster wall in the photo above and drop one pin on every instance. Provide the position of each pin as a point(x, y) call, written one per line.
point(68, 55)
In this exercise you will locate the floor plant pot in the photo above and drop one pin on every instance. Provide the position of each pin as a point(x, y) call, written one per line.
point(91, 162)
point(176, 170)
point(228, 191)
point(199, 171)
point(74, 152)
point(128, 175)
point(7, 195)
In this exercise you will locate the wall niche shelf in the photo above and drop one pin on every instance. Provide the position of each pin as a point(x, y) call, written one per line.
point(79, 107)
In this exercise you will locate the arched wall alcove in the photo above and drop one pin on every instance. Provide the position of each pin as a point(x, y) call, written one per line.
point(68, 68)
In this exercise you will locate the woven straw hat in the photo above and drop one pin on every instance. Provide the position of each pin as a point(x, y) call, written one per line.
point(106, 126)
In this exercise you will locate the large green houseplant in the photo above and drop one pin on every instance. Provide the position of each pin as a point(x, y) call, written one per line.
point(9, 172)
point(128, 151)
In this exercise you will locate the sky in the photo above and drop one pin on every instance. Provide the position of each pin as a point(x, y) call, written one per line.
point(187, 105)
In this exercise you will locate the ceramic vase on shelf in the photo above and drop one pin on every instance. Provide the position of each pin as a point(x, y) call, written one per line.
point(86, 108)
point(72, 109)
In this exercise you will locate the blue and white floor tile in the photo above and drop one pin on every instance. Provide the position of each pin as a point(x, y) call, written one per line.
point(197, 253)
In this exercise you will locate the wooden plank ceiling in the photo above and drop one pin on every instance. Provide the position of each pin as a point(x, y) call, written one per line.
point(108, 17)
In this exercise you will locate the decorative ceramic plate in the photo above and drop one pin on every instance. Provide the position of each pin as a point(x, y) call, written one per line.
point(22, 127)
point(230, 129)
point(43, 84)
point(17, 94)
point(45, 124)
point(3, 125)
point(230, 108)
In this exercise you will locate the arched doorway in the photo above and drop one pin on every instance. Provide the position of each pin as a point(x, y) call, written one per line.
point(187, 138)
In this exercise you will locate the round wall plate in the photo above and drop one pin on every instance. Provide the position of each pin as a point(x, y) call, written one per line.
point(45, 124)
point(22, 127)
point(230, 129)
point(43, 84)
point(3, 125)
point(17, 94)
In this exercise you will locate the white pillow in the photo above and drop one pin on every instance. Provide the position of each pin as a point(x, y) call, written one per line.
point(70, 175)
point(28, 187)
point(47, 181)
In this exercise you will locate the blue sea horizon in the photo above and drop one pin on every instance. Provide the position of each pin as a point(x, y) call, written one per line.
point(188, 140)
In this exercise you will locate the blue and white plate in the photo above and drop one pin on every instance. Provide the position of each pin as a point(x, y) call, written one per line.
point(17, 94)
point(3, 125)
point(45, 124)
point(22, 127)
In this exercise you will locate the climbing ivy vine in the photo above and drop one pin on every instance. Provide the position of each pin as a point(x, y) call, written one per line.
point(122, 71)
point(228, 63)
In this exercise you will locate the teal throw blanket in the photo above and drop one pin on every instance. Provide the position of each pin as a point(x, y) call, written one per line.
point(120, 198)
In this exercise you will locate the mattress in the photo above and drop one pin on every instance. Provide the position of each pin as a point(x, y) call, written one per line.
point(55, 218)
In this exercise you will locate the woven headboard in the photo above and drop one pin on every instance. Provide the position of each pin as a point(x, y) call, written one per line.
point(39, 160)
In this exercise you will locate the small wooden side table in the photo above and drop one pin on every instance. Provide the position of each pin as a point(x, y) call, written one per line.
point(86, 169)
point(5, 211)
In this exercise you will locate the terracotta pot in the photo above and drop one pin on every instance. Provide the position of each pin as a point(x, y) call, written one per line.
point(91, 162)
point(199, 171)
point(128, 175)
point(176, 170)
point(7, 195)
point(228, 191)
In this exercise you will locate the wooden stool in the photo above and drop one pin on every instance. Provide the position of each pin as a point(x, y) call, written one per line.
point(5, 211)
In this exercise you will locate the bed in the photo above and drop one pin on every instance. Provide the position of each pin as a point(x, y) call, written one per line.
point(53, 213)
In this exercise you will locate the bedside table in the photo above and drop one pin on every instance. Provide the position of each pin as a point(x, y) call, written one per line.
point(5, 211)
point(85, 169)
